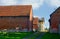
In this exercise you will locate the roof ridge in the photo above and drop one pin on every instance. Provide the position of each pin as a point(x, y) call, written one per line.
point(55, 11)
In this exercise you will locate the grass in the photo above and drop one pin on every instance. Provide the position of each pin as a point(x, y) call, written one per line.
point(51, 36)
point(14, 35)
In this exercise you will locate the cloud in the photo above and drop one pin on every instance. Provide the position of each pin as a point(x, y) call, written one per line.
point(7, 2)
point(35, 3)
point(53, 2)
point(35, 16)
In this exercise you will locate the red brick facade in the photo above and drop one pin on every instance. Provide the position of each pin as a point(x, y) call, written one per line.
point(16, 16)
point(55, 21)
point(35, 23)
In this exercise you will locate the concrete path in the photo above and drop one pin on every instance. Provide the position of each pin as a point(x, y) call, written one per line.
point(42, 33)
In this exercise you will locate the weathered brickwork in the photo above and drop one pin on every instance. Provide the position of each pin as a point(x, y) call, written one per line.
point(55, 21)
point(35, 23)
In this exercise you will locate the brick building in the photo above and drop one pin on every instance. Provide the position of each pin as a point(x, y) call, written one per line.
point(55, 21)
point(35, 24)
point(16, 17)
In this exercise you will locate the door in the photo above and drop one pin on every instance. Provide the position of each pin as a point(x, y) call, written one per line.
point(59, 29)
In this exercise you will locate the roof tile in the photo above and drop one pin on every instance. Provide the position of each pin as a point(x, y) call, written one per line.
point(18, 10)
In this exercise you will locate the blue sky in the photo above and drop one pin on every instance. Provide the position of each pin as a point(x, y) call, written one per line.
point(41, 8)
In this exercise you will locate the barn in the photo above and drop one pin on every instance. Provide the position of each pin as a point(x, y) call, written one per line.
point(18, 17)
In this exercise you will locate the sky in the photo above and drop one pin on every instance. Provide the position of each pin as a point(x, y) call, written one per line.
point(41, 8)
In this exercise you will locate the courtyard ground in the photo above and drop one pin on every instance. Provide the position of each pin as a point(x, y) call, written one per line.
point(29, 35)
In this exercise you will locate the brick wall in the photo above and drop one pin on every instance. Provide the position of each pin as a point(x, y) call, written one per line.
point(13, 22)
point(55, 21)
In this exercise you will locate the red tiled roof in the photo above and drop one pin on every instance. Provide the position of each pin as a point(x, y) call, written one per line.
point(18, 10)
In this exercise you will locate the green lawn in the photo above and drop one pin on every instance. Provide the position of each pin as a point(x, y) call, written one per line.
point(14, 35)
point(51, 36)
